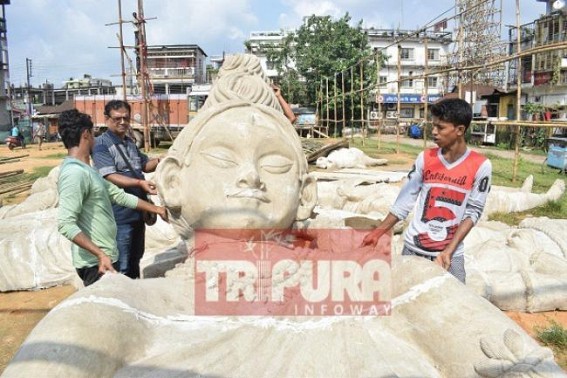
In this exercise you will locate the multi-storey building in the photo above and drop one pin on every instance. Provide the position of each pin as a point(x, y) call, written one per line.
point(260, 42)
point(174, 69)
point(543, 74)
point(418, 55)
point(47, 94)
point(413, 48)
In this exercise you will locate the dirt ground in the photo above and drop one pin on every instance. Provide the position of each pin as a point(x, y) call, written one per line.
point(21, 311)
point(50, 155)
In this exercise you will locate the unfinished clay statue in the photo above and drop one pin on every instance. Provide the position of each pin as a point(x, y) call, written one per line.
point(148, 327)
point(348, 158)
point(502, 200)
point(519, 269)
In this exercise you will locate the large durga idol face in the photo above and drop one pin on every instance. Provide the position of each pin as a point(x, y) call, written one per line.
point(242, 172)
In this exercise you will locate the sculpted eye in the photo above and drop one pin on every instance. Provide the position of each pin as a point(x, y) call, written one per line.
point(220, 157)
point(276, 164)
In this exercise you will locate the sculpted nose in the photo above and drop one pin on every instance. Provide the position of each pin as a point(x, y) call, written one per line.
point(249, 178)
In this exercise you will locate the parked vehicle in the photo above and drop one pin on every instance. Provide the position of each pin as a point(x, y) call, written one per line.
point(167, 116)
point(13, 142)
point(306, 117)
point(415, 131)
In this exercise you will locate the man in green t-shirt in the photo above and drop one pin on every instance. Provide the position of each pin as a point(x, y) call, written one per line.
point(85, 202)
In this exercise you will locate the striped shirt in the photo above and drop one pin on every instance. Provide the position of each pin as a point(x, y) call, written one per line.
point(108, 160)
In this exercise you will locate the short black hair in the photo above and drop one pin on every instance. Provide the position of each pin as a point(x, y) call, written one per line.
point(72, 123)
point(454, 110)
point(114, 105)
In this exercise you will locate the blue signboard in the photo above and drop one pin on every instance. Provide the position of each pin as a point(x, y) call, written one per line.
point(406, 98)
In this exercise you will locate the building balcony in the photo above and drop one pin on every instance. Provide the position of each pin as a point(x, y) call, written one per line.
point(172, 73)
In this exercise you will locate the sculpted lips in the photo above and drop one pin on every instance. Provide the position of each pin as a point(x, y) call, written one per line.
point(247, 193)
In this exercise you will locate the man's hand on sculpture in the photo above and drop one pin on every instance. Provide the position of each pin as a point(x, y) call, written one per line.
point(105, 265)
point(148, 186)
point(162, 212)
point(444, 260)
point(372, 238)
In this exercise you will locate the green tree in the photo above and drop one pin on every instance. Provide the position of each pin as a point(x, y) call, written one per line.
point(320, 50)
point(322, 46)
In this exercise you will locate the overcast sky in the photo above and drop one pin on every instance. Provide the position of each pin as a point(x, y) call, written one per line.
point(69, 38)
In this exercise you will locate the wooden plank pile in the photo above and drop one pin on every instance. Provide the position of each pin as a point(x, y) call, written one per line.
point(13, 159)
point(315, 148)
point(13, 182)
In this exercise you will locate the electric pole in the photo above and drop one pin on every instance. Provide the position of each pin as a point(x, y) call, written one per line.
point(28, 75)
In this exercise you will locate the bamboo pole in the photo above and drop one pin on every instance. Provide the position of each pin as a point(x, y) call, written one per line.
point(426, 92)
point(11, 173)
point(362, 123)
point(352, 100)
point(121, 37)
point(335, 100)
point(327, 100)
point(399, 104)
point(13, 157)
point(378, 68)
point(518, 94)
point(12, 188)
point(343, 98)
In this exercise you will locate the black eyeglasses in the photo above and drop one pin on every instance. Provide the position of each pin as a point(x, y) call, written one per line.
point(119, 119)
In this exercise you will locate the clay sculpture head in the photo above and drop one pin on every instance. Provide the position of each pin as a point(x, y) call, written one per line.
point(238, 164)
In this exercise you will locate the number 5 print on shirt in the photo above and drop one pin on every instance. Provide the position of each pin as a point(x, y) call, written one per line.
point(437, 212)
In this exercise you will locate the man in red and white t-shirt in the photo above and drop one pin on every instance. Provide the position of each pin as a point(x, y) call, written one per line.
point(450, 184)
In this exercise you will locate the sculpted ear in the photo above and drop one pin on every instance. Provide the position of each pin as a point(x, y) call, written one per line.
point(308, 197)
point(168, 183)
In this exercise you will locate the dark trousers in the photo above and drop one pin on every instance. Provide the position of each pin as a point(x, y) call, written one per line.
point(90, 274)
point(131, 244)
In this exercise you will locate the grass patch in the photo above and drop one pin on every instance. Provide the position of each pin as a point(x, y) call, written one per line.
point(553, 210)
point(555, 335)
point(371, 147)
point(38, 172)
point(61, 155)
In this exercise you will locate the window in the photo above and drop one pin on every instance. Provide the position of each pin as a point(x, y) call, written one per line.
point(406, 82)
point(406, 112)
point(433, 54)
point(432, 81)
point(383, 81)
point(270, 64)
point(406, 54)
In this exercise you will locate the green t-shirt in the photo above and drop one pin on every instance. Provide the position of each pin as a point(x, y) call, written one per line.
point(85, 204)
